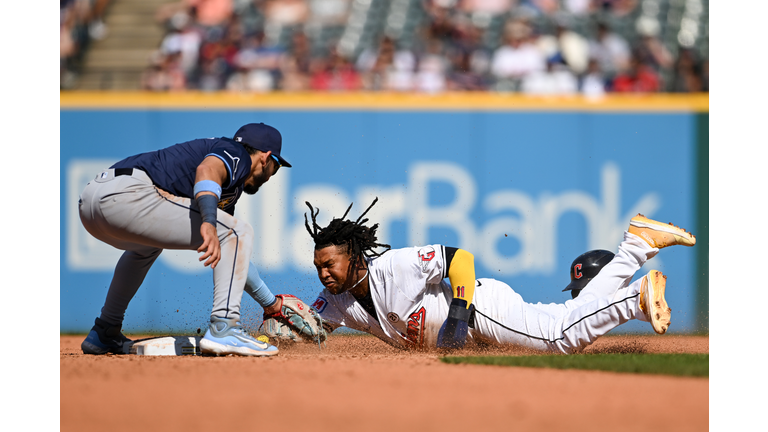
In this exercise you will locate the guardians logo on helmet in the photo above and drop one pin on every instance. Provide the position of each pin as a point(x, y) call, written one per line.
point(585, 267)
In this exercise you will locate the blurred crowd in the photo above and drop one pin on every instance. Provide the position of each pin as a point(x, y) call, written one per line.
point(80, 22)
point(283, 45)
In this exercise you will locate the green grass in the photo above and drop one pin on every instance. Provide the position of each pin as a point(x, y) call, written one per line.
point(694, 365)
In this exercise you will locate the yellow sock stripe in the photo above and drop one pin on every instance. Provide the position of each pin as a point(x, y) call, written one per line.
point(462, 275)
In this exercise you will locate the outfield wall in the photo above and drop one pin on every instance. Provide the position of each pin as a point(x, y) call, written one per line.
point(525, 184)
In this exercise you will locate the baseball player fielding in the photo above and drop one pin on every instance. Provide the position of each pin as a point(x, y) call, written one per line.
point(183, 197)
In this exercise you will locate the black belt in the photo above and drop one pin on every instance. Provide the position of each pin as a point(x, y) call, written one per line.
point(123, 171)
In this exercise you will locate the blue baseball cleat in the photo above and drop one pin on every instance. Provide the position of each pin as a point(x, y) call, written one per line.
point(226, 336)
point(105, 338)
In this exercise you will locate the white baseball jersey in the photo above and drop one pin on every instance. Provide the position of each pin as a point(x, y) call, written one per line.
point(409, 294)
point(411, 299)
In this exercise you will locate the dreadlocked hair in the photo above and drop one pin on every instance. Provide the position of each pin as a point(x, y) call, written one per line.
point(357, 239)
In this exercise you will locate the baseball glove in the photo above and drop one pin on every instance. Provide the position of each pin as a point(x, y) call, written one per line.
point(296, 322)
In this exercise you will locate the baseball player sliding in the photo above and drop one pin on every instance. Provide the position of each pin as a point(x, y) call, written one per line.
point(401, 296)
point(183, 197)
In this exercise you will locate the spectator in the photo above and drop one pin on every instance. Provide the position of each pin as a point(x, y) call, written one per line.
point(518, 57)
point(432, 65)
point(610, 50)
point(639, 78)
point(557, 79)
point(213, 74)
point(184, 38)
point(470, 40)
point(217, 56)
point(260, 63)
point(688, 76)
point(293, 77)
point(566, 44)
point(97, 29)
point(301, 51)
point(651, 50)
point(463, 75)
point(374, 77)
point(387, 68)
point(399, 76)
point(440, 24)
point(402, 59)
point(165, 74)
point(593, 83)
point(246, 80)
point(335, 74)
point(238, 81)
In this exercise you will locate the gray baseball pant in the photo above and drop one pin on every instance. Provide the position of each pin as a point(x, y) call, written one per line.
point(131, 214)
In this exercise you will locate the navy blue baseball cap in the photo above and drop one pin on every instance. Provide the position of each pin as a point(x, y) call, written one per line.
point(262, 137)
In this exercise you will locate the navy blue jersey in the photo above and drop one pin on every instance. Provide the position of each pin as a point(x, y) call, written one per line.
point(173, 168)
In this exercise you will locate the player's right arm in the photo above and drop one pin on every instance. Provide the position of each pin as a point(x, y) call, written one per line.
point(210, 175)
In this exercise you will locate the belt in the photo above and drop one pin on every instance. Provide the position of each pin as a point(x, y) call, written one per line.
point(131, 172)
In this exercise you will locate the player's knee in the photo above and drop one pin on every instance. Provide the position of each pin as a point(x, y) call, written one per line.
point(244, 230)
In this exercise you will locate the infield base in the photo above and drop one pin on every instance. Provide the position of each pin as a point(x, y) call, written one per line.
point(166, 346)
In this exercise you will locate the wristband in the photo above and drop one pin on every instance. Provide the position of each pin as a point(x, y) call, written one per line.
point(208, 205)
point(207, 186)
point(458, 310)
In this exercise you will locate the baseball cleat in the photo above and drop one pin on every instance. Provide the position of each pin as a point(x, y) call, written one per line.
point(105, 338)
point(226, 336)
point(658, 234)
point(652, 301)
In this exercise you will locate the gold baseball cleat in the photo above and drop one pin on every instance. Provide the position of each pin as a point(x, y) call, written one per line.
point(652, 301)
point(658, 234)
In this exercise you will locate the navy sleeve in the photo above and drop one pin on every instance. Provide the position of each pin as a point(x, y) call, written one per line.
point(449, 253)
point(235, 158)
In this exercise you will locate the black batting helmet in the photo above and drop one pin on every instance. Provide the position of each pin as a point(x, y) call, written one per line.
point(585, 267)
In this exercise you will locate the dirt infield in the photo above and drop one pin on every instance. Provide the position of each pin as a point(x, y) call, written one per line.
point(358, 383)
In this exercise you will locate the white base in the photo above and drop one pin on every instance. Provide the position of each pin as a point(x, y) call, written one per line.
point(166, 346)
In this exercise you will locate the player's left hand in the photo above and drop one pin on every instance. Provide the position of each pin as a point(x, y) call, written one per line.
point(211, 246)
point(275, 308)
point(293, 322)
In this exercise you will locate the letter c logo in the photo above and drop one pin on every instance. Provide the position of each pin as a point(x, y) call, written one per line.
point(577, 271)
